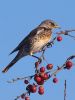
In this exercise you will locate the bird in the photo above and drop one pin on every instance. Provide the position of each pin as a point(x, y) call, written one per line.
point(33, 42)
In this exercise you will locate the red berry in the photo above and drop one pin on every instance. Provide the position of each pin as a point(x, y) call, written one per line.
point(45, 76)
point(41, 90)
point(42, 75)
point(55, 80)
point(49, 66)
point(28, 88)
point(42, 69)
point(26, 81)
point(27, 98)
point(41, 82)
point(36, 64)
point(33, 88)
point(23, 96)
point(69, 64)
point(59, 38)
point(37, 78)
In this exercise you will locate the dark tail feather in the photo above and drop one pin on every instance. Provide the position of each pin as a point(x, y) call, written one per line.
point(18, 56)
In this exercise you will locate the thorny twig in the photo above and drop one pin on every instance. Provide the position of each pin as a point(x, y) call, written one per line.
point(71, 57)
point(66, 32)
point(20, 96)
point(17, 79)
point(50, 44)
point(62, 67)
point(53, 73)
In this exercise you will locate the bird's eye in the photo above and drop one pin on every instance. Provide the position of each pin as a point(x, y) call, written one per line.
point(52, 24)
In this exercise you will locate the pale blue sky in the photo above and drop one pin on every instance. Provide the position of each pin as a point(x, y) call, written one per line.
point(17, 19)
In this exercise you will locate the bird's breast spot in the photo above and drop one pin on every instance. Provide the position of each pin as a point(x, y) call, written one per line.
point(38, 45)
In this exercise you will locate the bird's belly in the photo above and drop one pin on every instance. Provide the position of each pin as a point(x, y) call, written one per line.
point(39, 45)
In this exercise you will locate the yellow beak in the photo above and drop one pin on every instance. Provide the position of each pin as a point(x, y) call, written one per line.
point(57, 26)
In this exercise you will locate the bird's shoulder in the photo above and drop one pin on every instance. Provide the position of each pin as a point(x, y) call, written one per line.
point(36, 31)
point(30, 36)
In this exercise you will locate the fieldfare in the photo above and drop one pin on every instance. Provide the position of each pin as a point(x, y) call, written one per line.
point(34, 42)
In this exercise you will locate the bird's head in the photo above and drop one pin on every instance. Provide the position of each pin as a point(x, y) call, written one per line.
point(49, 24)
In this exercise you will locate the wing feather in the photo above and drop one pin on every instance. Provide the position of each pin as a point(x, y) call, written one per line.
point(27, 38)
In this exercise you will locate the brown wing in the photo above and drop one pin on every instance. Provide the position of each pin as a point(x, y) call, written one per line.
point(27, 38)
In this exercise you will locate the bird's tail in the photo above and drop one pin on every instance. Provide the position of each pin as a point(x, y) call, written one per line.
point(18, 56)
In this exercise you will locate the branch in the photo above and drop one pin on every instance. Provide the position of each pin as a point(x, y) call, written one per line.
point(65, 90)
point(52, 73)
point(23, 78)
point(66, 32)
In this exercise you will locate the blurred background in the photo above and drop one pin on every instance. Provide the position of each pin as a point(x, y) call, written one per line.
point(17, 19)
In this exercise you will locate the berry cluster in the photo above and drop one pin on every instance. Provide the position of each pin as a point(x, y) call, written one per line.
point(40, 77)
point(42, 74)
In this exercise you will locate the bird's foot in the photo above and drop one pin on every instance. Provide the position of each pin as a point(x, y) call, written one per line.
point(40, 60)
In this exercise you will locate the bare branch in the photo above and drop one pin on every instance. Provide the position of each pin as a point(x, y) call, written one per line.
point(65, 90)
point(18, 79)
point(52, 73)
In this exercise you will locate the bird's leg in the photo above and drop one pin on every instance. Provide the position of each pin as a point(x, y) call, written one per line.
point(42, 56)
point(51, 43)
point(39, 59)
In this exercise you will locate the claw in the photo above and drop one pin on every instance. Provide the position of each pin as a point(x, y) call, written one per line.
point(39, 60)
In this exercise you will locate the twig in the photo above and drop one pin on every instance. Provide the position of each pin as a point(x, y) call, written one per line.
point(65, 90)
point(66, 32)
point(18, 79)
point(71, 57)
point(70, 30)
point(51, 43)
point(20, 95)
point(53, 73)
point(63, 66)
